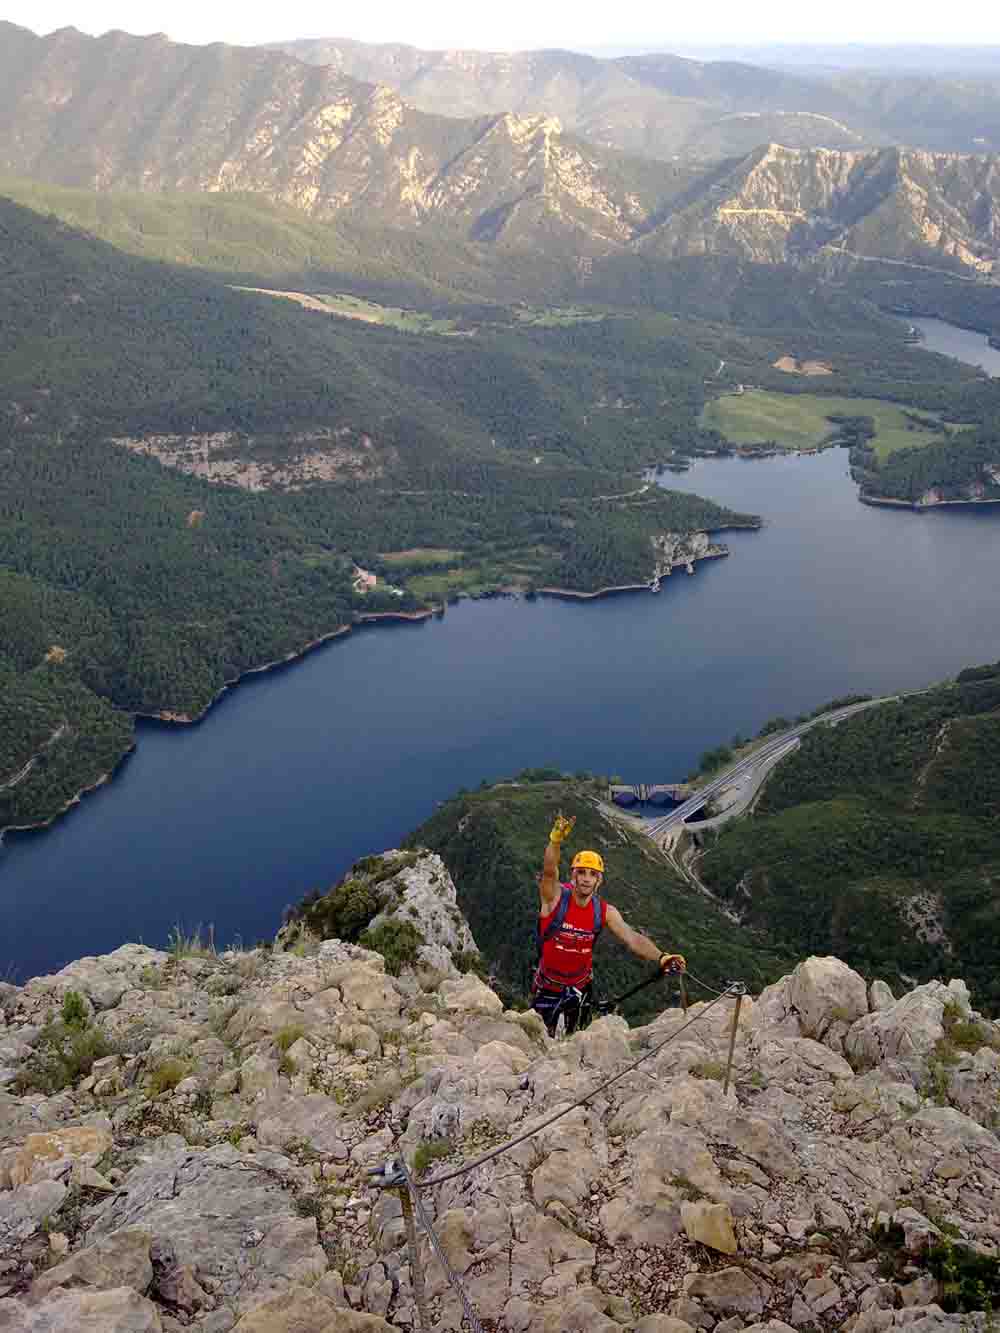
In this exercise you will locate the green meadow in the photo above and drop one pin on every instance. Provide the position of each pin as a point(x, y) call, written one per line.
point(802, 420)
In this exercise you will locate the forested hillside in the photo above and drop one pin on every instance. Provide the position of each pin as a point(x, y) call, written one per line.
point(879, 840)
point(129, 583)
point(192, 471)
point(492, 842)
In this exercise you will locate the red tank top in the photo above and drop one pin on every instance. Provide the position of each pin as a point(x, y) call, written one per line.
point(568, 954)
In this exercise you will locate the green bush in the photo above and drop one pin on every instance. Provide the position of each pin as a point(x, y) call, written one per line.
point(969, 1280)
point(288, 1036)
point(62, 1056)
point(166, 1076)
point(397, 941)
point(74, 1011)
point(429, 1150)
point(344, 912)
point(470, 960)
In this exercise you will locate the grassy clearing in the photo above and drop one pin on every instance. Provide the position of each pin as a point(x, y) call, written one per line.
point(801, 420)
point(520, 569)
point(553, 317)
point(431, 555)
point(417, 321)
point(394, 317)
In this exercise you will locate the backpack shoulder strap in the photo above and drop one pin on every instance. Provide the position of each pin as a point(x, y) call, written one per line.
point(558, 917)
point(600, 910)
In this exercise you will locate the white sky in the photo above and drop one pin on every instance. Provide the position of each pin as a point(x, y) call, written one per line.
point(525, 24)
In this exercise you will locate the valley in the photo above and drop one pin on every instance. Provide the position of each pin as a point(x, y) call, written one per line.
point(399, 449)
point(357, 360)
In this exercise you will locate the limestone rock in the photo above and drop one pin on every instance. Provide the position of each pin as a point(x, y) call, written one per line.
point(258, 1077)
point(918, 1232)
point(40, 1152)
point(312, 1118)
point(216, 1206)
point(821, 999)
point(469, 993)
point(586, 1311)
point(120, 1310)
point(794, 1165)
point(121, 1260)
point(711, 1224)
point(728, 1291)
point(103, 980)
point(425, 894)
point(903, 1036)
point(22, 1210)
point(368, 990)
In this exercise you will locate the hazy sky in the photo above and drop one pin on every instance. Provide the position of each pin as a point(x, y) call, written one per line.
point(522, 24)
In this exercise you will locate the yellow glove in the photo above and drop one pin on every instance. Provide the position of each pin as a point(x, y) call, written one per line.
point(673, 963)
point(561, 829)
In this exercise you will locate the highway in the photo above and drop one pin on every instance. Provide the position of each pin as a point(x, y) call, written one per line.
point(769, 751)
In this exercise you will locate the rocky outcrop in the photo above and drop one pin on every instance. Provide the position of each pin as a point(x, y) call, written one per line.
point(213, 1174)
point(411, 888)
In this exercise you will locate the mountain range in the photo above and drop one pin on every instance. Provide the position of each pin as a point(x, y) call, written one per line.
point(147, 114)
point(661, 105)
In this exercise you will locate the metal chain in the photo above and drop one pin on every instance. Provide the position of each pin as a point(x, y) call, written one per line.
point(450, 1274)
point(606, 1083)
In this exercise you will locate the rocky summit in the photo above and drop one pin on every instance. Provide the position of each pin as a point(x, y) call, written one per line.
point(185, 1140)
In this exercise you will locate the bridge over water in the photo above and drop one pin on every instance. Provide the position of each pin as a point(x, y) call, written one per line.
point(660, 793)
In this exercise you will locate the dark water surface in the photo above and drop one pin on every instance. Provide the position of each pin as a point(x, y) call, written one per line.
point(297, 773)
point(974, 348)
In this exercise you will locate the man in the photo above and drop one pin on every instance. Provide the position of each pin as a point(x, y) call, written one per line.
point(571, 916)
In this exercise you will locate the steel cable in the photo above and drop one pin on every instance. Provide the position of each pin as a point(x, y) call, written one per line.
point(605, 1083)
point(450, 1274)
point(705, 986)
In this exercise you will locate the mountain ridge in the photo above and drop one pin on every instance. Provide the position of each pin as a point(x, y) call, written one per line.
point(227, 119)
point(659, 104)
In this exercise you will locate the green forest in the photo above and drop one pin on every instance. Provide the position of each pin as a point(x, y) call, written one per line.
point(878, 841)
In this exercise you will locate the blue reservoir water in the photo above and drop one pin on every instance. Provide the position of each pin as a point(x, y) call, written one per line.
point(297, 773)
point(962, 344)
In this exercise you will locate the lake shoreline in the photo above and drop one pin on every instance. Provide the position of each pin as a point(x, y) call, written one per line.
point(170, 718)
point(76, 799)
point(918, 506)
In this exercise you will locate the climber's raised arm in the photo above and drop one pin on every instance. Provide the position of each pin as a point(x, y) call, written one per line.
point(549, 886)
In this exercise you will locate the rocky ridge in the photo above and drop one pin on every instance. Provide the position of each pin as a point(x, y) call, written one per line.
point(210, 1170)
point(230, 119)
point(662, 105)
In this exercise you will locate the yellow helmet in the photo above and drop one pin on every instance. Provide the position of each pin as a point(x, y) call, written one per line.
point(587, 861)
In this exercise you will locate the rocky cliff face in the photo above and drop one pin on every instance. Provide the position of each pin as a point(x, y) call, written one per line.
point(781, 204)
point(209, 1171)
point(148, 114)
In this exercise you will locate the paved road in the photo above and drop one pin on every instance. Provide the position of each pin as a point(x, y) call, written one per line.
point(781, 741)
